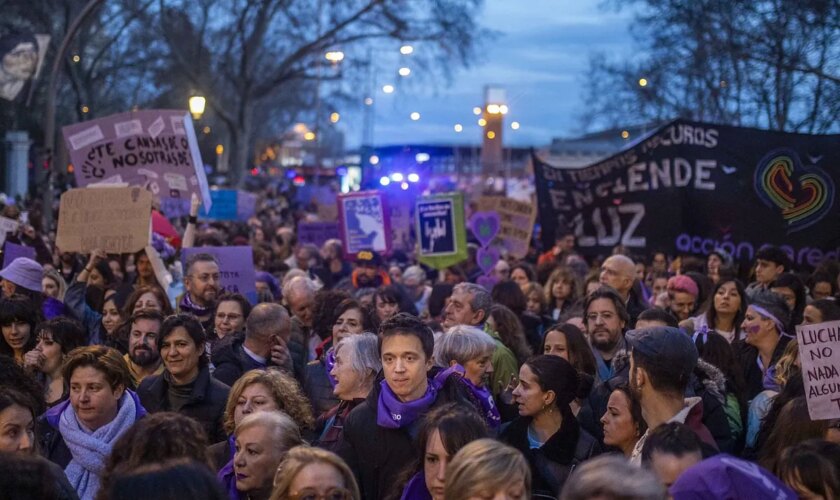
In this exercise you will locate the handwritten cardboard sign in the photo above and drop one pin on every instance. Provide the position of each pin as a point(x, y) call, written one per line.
point(819, 354)
point(441, 234)
point(7, 226)
point(156, 149)
point(12, 251)
point(236, 265)
point(365, 222)
point(517, 222)
point(317, 233)
point(116, 220)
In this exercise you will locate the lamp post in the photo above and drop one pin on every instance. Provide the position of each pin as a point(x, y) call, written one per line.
point(197, 105)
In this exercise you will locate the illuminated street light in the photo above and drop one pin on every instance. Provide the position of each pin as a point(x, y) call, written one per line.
point(335, 56)
point(197, 105)
point(493, 109)
point(85, 110)
point(415, 116)
point(397, 177)
point(482, 122)
point(406, 50)
point(412, 177)
point(459, 127)
point(309, 136)
point(384, 180)
point(420, 158)
point(76, 58)
point(503, 109)
point(206, 130)
point(476, 111)
point(491, 135)
point(334, 117)
point(220, 149)
point(625, 134)
point(388, 89)
point(404, 186)
point(514, 125)
point(374, 160)
point(643, 82)
point(404, 71)
point(368, 101)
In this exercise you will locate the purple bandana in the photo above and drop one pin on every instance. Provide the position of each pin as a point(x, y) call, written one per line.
point(392, 413)
point(329, 363)
point(482, 394)
point(188, 306)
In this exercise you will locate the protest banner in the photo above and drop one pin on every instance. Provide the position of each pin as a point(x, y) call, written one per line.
point(316, 233)
point(441, 235)
point(364, 222)
point(155, 149)
point(819, 355)
point(12, 251)
point(516, 222)
point(246, 205)
point(116, 220)
point(230, 204)
point(7, 226)
point(236, 266)
point(691, 187)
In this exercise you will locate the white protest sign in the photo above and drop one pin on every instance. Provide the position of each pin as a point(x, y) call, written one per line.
point(819, 354)
point(7, 226)
point(116, 220)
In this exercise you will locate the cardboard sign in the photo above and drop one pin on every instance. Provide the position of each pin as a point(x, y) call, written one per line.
point(116, 220)
point(7, 226)
point(155, 149)
point(365, 222)
point(516, 222)
point(819, 354)
point(317, 233)
point(236, 265)
point(12, 251)
point(441, 236)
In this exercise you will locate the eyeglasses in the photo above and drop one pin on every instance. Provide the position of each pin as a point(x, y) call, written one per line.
point(204, 278)
point(605, 316)
point(313, 494)
point(228, 317)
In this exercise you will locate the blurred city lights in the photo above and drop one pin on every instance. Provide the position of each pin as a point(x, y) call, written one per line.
point(404, 186)
point(76, 58)
point(309, 136)
point(334, 56)
point(374, 160)
point(459, 127)
point(397, 177)
point(197, 104)
point(384, 180)
point(299, 180)
point(493, 109)
point(220, 149)
point(388, 89)
point(334, 117)
point(643, 82)
point(476, 111)
point(415, 116)
point(482, 122)
point(625, 134)
point(503, 109)
point(421, 157)
point(514, 125)
point(85, 109)
point(206, 130)
point(412, 177)
point(491, 135)
point(404, 71)
point(368, 101)
point(406, 50)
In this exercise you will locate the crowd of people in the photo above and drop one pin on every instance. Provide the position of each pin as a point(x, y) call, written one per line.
point(625, 377)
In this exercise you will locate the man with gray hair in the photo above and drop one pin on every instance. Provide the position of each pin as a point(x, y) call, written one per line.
point(414, 282)
point(266, 342)
point(299, 297)
point(470, 305)
point(619, 272)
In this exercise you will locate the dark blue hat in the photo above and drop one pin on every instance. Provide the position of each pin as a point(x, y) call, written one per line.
point(666, 344)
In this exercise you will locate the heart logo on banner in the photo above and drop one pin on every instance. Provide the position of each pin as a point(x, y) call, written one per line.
point(487, 258)
point(485, 226)
point(804, 195)
point(488, 281)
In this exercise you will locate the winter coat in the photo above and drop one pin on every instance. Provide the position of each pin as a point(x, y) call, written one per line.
point(747, 357)
point(206, 404)
point(553, 462)
point(377, 454)
point(317, 387)
point(709, 383)
point(231, 361)
point(330, 425)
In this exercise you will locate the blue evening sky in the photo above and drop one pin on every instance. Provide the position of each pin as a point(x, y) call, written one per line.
point(540, 57)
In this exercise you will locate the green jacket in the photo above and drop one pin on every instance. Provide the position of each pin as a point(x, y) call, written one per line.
point(505, 368)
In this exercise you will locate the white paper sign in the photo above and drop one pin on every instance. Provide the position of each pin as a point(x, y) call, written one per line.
point(819, 354)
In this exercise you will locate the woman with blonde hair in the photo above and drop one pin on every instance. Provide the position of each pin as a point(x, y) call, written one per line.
point(485, 468)
point(309, 472)
point(260, 390)
point(53, 284)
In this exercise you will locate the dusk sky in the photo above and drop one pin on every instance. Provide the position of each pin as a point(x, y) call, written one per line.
point(540, 57)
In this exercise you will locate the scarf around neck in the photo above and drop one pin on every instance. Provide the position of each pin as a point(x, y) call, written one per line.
point(392, 413)
point(188, 306)
point(91, 449)
point(329, 363)
point(484, 397)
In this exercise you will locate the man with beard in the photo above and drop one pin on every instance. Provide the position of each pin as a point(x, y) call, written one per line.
point(143, 358)
point(202, 280)
point(605, 318)
point(662, 360)
point(369, 272)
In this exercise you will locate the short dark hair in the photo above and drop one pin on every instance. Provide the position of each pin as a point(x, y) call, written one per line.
point(180, 479)
point(18, 308)
point(198, 257)
point(606, 292)
point(558, 375)
point(828, 308)
point(18, 387)
point(150, 314)
point(67, 332)
point(193, 328)
point(240, 299)
point(527, 268)
point(406, 324)
point(324, 310)
point(815, 464)
point(658, 314)
point(509, 294)
point(664, 374)
point(105, 359)
point(350, 304)
point(160, 295)
point(775, 255)
point(635, 407)
point(580, 354)
point(672, 438)
point(26, 477)
point(822, 277)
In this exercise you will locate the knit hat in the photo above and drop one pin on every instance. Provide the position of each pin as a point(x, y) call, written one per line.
point(24, 272)
point(683, 283)
point(725, 477)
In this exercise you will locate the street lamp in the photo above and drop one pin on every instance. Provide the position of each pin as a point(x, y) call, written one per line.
point(406, 50)
point(197, 105)
point(404, 71)
point(334, 56)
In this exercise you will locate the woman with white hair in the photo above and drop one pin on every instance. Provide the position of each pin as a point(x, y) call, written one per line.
point(356, 365)
point(468, 351)
point(414, 282)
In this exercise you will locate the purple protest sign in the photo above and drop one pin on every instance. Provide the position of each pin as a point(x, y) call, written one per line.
point(156, 149)
point(485, 226)
point(317, 233)
point(236, 265)
point(487, 257)
point(365, 222)
point(12, 251)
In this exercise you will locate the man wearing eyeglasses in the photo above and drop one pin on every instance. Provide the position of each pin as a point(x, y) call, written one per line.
point(202, 280)
point(605, 319)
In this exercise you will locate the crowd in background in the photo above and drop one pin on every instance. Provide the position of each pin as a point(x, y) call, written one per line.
point(617, 377)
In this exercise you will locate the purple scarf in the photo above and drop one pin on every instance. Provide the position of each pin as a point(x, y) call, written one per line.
point(392, 413)
point(329, 363)
point(188, 306)
point(484, 397)
point(416, 488)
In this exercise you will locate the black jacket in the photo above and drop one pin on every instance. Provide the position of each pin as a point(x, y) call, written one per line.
point(317, 387)
point(552, 463)
point(377, 454)
point(231, 360)
point(747, 356)
point(206, 405)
